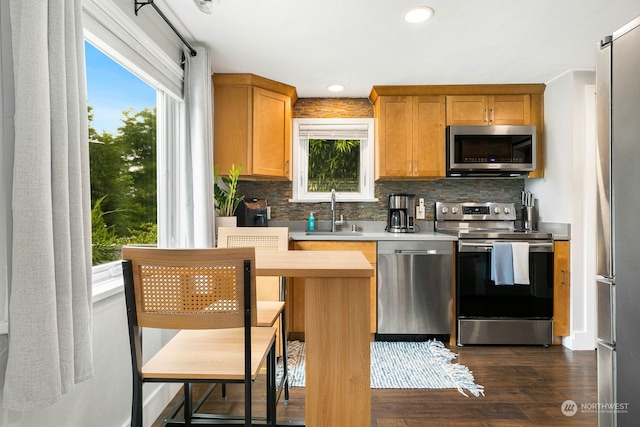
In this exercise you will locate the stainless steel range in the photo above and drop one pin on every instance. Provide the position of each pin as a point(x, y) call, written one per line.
point(504, 275)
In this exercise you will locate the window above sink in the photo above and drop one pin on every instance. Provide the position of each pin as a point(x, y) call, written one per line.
point(333, 153)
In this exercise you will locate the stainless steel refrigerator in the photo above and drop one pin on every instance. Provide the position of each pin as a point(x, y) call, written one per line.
point(618, 239)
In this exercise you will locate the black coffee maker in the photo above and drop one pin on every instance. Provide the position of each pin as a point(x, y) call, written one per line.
point(402, 208)
point(252, 212)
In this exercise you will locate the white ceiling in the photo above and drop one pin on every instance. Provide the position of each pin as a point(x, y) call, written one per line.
point(361, 43)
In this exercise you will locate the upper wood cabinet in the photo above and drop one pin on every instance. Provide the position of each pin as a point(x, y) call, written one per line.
point(402, 127)
point(489, 110)
point(252, 125)
point(409, 136)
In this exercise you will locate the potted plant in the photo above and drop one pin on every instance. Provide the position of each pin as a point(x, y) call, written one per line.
point(226, 196)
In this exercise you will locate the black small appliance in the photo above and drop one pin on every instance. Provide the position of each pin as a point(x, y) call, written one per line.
point(252, 212)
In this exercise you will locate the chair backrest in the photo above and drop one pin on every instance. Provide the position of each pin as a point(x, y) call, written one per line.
point(260, 238)
point(190, 288)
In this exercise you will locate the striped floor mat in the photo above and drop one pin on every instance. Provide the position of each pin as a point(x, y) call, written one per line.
point(425, 365)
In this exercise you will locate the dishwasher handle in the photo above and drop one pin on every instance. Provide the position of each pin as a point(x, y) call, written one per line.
point(415, 252)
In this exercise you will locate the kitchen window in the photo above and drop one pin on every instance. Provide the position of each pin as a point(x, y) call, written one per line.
point(332, 153)
point(110, 30)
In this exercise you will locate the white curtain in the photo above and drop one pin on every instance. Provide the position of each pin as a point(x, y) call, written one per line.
point(196, 154)
point(50, 285)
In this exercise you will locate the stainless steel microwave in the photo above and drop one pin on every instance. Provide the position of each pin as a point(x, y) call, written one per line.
point(490, 151)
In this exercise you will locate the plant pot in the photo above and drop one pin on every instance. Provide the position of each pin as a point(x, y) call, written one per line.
point(226, 221)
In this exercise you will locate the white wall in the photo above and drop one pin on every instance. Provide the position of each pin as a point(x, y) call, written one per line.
point(105, 399)
point(565, 194)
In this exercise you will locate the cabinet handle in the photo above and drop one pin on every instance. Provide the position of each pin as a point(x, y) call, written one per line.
point(492, 116)
point(486, 115)
point(563, 280)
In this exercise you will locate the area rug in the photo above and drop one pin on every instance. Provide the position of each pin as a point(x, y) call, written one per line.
point(419, 365)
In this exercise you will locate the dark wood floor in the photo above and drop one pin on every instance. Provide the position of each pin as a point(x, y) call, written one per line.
point(524, 386)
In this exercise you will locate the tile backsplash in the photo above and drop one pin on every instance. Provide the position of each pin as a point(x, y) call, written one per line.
point(278, 193)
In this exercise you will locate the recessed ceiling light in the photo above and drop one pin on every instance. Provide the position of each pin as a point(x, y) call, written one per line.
point(335, 88)
point(418, 14)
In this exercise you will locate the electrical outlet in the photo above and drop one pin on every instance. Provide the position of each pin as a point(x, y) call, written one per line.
point(420, 209)
point(268, 212)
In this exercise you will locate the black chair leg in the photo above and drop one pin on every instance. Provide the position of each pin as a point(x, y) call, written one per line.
point(136, 403)
point(285, 355)
point(271, 386)
point(187, 409)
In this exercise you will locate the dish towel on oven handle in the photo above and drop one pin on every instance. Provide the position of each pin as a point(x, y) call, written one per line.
point(520, 262)
point(502, 263)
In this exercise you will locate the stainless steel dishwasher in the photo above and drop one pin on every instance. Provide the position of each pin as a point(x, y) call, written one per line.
point(415, 288)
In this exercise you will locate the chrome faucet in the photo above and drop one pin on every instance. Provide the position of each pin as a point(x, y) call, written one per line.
point(333, 212)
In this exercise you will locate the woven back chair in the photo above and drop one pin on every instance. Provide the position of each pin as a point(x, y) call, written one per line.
point(208, 295)
point(269, 311)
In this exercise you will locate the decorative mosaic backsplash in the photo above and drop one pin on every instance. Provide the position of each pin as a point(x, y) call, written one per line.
point(278, 193)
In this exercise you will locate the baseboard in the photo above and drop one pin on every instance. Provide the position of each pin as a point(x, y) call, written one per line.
point(580, 341)
point(156, 402)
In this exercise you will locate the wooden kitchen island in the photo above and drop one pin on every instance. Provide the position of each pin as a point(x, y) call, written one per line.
point(337, 337)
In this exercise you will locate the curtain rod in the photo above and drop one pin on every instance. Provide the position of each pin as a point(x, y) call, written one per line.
point(139, 4)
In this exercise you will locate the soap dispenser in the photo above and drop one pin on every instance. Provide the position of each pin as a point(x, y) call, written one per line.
point(311, 226)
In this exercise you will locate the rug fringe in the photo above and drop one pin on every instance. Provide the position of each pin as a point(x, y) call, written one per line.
point(459, 374)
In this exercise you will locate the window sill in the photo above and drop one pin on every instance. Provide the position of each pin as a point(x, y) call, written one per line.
point(107, 280)
point(342, 199)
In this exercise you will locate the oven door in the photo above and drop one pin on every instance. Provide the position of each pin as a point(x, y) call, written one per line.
point(479, 297)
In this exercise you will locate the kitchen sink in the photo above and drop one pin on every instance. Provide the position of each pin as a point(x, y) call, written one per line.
point(333, 233)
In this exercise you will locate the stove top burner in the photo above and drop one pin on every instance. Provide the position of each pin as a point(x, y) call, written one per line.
point(488, 220)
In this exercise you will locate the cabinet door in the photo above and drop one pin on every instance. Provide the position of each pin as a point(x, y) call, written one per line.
point(509, 110)
point(232, 128)
point(561, 288)
point(271, 133)
point(394, 136)
point(429, 136)
point(467, 110)
point(488, 110)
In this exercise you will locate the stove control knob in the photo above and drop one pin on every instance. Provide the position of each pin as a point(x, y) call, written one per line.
point(507, 210)
point(496, 210)
point(445, 209)
point(454, 210)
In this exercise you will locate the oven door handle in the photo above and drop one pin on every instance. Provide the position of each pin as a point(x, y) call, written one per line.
point(538, 247)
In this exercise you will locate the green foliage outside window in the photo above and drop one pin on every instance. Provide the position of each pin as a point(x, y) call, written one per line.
point(123, 184)
point(334, 163)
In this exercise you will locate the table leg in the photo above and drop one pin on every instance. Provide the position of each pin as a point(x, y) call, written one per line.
point(337, 342)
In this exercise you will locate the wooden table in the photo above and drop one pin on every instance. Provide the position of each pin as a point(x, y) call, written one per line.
point(337, 336)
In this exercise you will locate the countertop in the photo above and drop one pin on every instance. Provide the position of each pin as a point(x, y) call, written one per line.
point(374, 231)
point(371, 236)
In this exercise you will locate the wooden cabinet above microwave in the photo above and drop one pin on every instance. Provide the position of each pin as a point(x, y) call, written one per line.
point(485, 110)
point(510, 104)
point(252, 125)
